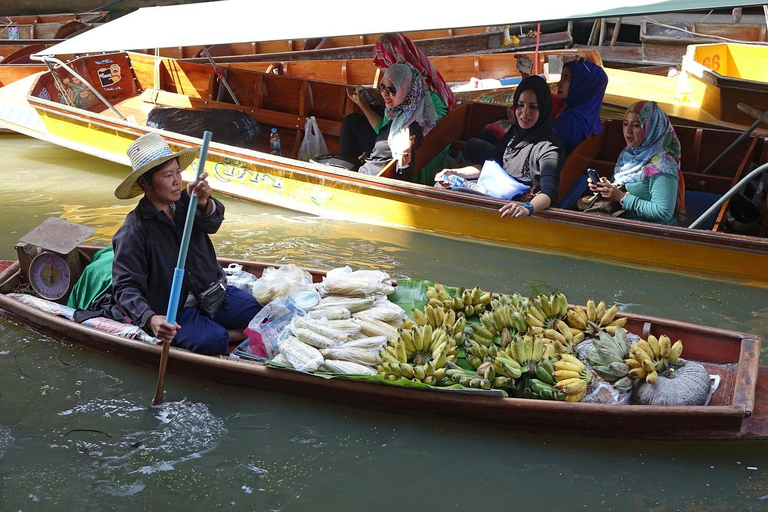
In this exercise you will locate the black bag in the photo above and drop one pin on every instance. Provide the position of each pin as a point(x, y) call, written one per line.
point(213, 298)
point(348, 162)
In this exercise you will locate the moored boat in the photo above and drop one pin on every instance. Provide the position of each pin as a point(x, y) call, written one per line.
point(737, 409)
point(78, 119)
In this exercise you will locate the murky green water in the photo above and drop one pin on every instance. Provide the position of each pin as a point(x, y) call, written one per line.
point(76, 432)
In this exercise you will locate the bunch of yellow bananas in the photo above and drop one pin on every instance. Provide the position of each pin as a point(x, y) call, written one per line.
point(419, 354)
point(648, 358)
point(562, 336)
point(464, 302)
point(440, 316)
point(572, 377)
point(544, 311)
point(595, 318)
point(528, 350)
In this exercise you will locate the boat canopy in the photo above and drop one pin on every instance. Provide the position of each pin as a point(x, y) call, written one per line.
point(235, 21)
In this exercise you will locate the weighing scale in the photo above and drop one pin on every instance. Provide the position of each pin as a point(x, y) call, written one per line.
point(49, 258)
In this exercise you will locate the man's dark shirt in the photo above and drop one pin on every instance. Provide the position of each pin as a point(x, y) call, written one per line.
point(146, 253)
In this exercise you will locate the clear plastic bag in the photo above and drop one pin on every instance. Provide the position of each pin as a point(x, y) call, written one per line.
point(604, 393)
point(269, 326)
point(239, 278)
point(285, 280)
point(313, 144)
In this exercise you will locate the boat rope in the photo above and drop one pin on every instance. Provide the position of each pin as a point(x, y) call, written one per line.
point(694, 33)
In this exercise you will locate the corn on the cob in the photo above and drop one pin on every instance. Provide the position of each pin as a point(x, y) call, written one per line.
point(372, 327)
point(353, 304)
point(331, 313)
point(320, 326)
point(313, 338)
point(337, 366)
point(300, 355)
point(367, 357)
point(369, 343)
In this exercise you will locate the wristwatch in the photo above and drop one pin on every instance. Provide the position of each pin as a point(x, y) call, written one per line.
point(529, 207)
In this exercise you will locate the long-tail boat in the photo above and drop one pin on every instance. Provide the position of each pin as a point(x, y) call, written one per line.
point(738, 409)
point(61, 109)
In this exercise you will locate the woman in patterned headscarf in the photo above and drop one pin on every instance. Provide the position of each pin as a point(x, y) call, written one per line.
point(648, 170)
point(409, 115)
point(393, 48)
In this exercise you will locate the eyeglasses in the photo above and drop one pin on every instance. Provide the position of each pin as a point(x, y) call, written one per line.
point(388, 89)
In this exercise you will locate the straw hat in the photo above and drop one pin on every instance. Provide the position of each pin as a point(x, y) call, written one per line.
point(146, 152)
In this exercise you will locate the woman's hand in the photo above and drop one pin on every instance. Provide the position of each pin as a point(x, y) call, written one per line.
point(202, 190)
point(515, 209)
point(440, 178)
point(607, 190)
point(356, 96)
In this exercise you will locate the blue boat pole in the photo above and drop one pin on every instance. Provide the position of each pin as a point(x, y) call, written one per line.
point(178, 273)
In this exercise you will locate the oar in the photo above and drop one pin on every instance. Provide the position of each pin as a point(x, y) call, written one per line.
point(178, 273)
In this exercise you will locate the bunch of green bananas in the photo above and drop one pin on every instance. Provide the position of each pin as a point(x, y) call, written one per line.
point(419, 354)
point(485, 377)
point(563, 337)
point(596, 318)
point(493, 322)
point(468, 303)
point(648, 358)
point(572, 377)
point(477, 354)
point(607, 355)
point(543, 385)
point(545, 311)
point(440, 316)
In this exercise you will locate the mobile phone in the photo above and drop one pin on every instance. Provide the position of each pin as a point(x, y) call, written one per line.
point(368, 96)
point(593, 176)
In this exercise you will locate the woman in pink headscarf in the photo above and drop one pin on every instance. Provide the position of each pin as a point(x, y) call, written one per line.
point(393, 48)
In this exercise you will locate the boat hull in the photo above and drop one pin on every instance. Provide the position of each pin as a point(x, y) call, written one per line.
point(348, 196)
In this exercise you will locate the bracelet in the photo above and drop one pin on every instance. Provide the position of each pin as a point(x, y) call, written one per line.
point(529, 207)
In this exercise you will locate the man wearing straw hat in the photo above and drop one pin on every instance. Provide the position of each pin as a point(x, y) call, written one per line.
point(211, 314)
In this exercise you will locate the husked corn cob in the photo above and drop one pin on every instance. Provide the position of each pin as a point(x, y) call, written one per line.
point(330, 312)
point(300, 355)
point(353, 304)
point(320, 326)
point(372, 327)
point(312, 338)
point(369, 343)
point(337, 366)
point(368, 357)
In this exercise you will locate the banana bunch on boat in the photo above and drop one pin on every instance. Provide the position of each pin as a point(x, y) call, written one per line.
point(419, 354)
point(441, 317)
point(607, 355)
point(650, 357)
point(485, 377)
point(545, 317)
point(493, 322)
point(468, 303)
point(595, 318)
point(572, 377)
point(542, 386)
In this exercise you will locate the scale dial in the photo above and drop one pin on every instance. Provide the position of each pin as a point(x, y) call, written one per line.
point(50, 276)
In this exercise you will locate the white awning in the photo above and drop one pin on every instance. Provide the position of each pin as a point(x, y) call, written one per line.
point(233, 21)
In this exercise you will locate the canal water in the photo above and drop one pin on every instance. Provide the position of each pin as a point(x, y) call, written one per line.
point(77, 432)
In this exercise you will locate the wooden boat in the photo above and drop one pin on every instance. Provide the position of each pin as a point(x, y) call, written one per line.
point(738, 408)
point(432, 43)
point(284, 102)
point(668, 43)
point(24, 28)
point(455, 69)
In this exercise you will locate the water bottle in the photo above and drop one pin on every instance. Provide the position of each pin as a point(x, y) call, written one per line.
point(274, 142)
point(455, 181)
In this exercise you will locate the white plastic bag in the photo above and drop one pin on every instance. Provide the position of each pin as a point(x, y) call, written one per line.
point(239, 278)
point(497, 183)
point(276, 282)
point(313, 144)
point(269, 326)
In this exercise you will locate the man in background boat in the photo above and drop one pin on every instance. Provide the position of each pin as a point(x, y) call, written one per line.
point(211, 314)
